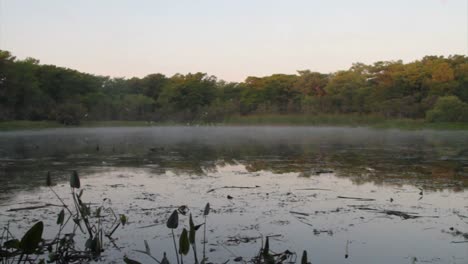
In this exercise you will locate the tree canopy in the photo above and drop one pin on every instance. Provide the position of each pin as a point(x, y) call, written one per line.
point(435, 88)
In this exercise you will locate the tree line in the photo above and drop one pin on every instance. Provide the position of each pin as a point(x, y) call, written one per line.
point(434, 88)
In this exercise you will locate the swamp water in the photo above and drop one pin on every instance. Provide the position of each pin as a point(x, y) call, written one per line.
point(299, 179)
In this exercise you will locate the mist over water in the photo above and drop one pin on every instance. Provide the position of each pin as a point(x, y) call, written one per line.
point(146, 171)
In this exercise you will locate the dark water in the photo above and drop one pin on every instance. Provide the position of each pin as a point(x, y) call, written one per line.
point(147, 172)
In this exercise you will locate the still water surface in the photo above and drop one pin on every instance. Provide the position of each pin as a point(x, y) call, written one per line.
point(298, 174)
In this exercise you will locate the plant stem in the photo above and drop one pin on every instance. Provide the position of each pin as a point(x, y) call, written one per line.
point(175, 246)
point(204, 240)
point(194, 247)
point(60, 199)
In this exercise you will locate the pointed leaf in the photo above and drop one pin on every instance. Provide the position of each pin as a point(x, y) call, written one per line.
point(32, 238)
point(147, 248)
point(96, 248)
point(48, 179)
point(75, 180)
point(304, 257)
point(184, 244)
point(164, 260)
point(12, 244)
point(266, 249)
point(192, 230)
point(61, 217)
point(191, 224)
point(173, 221)
point(207, 209)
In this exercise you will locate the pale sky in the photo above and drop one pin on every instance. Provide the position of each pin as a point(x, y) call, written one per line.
point(231, 39)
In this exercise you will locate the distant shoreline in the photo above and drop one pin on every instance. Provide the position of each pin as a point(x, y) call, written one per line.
point(256, 120)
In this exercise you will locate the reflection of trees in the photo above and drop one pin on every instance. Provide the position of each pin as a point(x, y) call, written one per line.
point(413, 163)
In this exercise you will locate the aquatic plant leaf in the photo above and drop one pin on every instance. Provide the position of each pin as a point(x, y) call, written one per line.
point(184, 244)
point(85, 210)
point(192, 230)
point(94, 245)
point(89, 243)
point(75, 180)
point(266, 249)
point(130, 261)
point(147, 248)
point(173, 221)
point(207, 209)
point(164, 260)
point(304, 257)
point(61, 217)
point(12, 244)
point(123, 219)
point(48, 179)
point(32, 238)
point(98, 211)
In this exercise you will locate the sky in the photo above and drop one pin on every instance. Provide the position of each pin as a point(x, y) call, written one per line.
point(231, 39)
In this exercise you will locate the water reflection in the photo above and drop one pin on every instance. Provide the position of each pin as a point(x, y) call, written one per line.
point(147, 172)
point(429, 159)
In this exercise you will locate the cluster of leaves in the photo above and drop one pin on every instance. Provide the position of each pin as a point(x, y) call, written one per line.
point(187, 239)
point(63, 248)
point(32, 91)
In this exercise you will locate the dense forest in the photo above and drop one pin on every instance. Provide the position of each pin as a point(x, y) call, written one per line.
point(434, 88)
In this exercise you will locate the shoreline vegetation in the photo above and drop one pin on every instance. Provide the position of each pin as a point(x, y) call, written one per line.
point(427, 93)
point(375, 122)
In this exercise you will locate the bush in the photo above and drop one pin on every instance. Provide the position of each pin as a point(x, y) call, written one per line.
point(448, 109)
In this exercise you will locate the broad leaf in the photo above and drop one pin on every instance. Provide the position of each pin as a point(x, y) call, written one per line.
point(184, 244)
point(173, 221)
point(12, 244)
point(32, 238)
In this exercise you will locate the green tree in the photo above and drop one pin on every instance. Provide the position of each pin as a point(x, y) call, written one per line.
point(448, 109)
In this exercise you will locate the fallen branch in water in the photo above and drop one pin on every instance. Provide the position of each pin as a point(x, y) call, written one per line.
point(299, 213)
point(33, 207)
point(356, 198)
point(404, 215)
point(233, 187)
point(400, 214)
point(313, 189)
